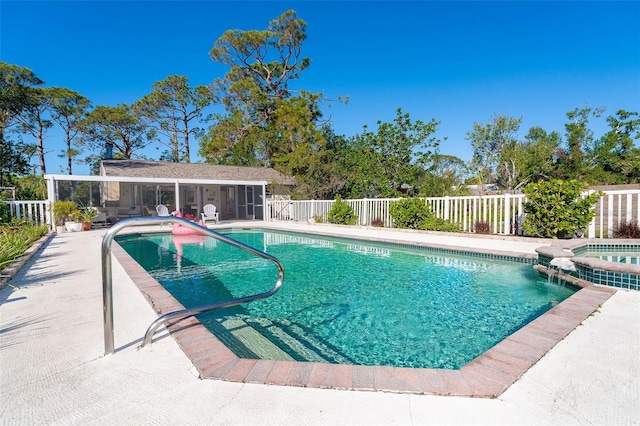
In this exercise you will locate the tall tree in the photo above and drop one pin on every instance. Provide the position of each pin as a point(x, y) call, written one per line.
point(174, 106)
point(614, 157)
point(538, 161)
point(35, 120)
point(117, 129)
point(16, 93)
point(444, 176)
point(572, 159)
point(494, 148)
point(381, 162)
point(314, 164)
point(264, 117)
point(17, 86)
point(532, 160)
point(359, 164)
point(68, 109)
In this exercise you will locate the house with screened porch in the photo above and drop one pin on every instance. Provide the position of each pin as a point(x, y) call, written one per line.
point(130, 188)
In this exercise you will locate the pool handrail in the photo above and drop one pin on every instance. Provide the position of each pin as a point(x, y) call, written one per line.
point(107, 283)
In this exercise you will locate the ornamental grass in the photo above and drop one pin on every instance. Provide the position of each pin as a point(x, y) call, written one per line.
point(16, 238)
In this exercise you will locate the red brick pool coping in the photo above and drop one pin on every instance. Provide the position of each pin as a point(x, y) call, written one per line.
point(487, 376)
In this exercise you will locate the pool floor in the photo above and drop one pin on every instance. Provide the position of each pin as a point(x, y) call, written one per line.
point(487, 376)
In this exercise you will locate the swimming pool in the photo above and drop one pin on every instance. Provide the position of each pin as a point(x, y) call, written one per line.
point(631, 257)
point(348, 301)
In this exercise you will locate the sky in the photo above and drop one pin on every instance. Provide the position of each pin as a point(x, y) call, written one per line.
point(458, 62)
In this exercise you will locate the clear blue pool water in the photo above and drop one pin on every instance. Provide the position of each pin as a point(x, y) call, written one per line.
point(349, 301)
point(631, 256)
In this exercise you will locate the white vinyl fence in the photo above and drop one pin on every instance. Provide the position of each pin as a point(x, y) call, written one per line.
point(35, 211)
point(613, 207)
point(504, 213)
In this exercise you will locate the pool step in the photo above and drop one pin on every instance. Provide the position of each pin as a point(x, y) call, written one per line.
point(295, 340)
point(264, 338)
point(245, 341)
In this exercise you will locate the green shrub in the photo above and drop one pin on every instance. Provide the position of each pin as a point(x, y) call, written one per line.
point(410, 213)
point(341, 213)
point(318, 218)
point(554, 208)
point(414, 213)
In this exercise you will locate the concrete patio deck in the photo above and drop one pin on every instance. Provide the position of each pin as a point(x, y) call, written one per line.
point(53, 369)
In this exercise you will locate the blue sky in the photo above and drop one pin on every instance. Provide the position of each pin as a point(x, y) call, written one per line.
point(456, 62)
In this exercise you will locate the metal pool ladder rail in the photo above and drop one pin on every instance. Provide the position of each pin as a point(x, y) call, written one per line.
point(107, 287)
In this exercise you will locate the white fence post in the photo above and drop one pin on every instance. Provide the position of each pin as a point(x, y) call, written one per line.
point(364, 220)
point(507, 214)
point(609, 217)
point(446, 208)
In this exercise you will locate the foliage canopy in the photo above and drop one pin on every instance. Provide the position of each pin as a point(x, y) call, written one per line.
point(265, 120)
point(172, 108)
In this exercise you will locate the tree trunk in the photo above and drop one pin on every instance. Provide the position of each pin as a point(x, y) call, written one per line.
point(187, 153)
point(43, 167)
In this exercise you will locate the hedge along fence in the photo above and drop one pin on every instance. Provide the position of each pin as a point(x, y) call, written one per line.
point(503, 212)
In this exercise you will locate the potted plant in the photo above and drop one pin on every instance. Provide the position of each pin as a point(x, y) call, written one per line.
point(64, 212)
point(86, 217)
point(73, 223)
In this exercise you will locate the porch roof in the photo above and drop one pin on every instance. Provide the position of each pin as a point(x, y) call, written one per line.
point(150, 180)
point(190, 171)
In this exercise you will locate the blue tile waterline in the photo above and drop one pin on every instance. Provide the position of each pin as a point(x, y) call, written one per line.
point(357, 302)
point(619, 274)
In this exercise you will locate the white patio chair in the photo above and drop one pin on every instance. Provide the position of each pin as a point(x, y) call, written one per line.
point(209, 213)
point(162, 211)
